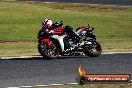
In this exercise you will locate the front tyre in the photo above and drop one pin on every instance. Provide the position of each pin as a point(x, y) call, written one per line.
point(93, 50)
point(48, 52)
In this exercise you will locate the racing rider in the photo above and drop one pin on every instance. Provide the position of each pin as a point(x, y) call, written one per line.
point(56, 28)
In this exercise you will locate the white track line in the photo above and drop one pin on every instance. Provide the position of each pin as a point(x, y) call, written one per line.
point(26, 86)
point(56, 84)
point(41, 56)
point(116, 52)
point(42, 85)
point(12, 87)
point(19, 57)
point(71, 83)
point(46, 85)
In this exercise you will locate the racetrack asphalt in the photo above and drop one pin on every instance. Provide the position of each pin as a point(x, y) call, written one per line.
point(109, 2)
point(36, 71)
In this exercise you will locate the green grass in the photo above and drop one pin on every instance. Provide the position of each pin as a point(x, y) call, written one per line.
point(18, 48)
point(20, 22)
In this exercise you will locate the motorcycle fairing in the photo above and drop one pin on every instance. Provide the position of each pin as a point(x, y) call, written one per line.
point(47, 41)
point(60, 40)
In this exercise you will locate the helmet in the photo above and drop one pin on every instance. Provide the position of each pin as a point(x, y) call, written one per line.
point(47, 22)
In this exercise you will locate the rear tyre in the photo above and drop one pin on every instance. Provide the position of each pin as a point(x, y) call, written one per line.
point(94, 50)
point(48, 52)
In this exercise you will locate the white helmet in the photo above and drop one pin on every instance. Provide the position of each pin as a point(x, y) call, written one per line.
point(47, 21)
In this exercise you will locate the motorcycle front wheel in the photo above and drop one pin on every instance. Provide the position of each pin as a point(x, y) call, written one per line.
point(93, 50)
point(48, 52)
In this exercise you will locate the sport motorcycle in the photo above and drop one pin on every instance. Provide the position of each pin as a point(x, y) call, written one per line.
point(68, 43)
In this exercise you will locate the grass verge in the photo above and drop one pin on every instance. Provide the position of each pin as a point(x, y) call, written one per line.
point(20, 22)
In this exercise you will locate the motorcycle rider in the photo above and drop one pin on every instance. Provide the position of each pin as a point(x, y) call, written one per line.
point(55, 28)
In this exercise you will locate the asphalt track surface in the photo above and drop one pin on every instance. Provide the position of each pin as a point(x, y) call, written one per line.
point(110, 2)
point(36, 71)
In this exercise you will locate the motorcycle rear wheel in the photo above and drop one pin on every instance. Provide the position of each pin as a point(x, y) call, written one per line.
point(93, 52)
point(47, 53)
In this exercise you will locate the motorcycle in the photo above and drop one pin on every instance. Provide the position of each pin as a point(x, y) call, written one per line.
point(69, 43)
